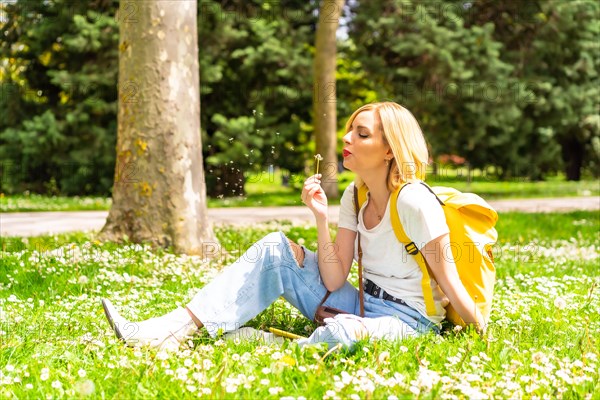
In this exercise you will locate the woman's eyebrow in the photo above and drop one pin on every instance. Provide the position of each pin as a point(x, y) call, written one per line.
point(363, 127)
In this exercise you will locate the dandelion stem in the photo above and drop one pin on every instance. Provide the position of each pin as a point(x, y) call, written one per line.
point(285, 334)
point(334, 348)
point(318, 157)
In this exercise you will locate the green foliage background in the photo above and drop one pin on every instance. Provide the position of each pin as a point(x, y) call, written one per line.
point(513, 85)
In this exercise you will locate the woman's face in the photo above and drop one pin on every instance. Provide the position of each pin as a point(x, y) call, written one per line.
point(364, 146)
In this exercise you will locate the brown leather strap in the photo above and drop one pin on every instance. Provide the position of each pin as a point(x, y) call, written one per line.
point(324, 299)
point(361, 295)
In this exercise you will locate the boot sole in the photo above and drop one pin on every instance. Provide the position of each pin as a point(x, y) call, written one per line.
point(110, 321)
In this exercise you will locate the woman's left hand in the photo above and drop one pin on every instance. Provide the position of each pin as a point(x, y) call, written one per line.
point(445, 273)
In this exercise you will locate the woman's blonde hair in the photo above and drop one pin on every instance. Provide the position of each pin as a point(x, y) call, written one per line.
point(402, 133)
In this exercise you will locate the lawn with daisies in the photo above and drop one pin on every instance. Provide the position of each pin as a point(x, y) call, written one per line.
point(542, 342)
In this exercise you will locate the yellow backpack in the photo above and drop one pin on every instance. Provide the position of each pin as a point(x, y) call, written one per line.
point(471, 221)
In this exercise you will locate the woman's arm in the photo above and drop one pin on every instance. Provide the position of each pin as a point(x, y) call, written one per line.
point(335, 259)
point(444, 272)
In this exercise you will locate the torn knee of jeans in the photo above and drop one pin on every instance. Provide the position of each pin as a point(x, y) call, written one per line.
point(298, 253)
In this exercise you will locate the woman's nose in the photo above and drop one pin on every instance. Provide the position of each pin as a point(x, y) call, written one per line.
point(346, 137)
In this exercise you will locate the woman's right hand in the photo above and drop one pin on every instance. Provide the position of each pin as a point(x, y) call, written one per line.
point(314, 196)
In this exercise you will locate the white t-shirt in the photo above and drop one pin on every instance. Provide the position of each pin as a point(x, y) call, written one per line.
point(385, 260)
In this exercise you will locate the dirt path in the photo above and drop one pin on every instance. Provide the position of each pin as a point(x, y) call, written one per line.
point(38, 223)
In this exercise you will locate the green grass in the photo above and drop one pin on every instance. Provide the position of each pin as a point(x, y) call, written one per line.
point(493, 190)
point(36, 202)
point(266, 190)
point(55, 342)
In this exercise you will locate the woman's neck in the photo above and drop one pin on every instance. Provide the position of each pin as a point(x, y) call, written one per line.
point(378, 190)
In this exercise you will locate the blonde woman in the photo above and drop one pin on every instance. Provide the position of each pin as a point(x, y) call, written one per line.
point(384, 147)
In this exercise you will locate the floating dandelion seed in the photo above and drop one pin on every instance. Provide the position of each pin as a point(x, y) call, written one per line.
point(319, 158)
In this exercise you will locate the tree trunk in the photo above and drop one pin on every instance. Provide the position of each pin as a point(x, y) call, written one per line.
point(324, 100)
point(159, 194)
point(573, 151)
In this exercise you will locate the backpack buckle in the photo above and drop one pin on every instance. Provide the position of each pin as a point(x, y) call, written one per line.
point(411, 248)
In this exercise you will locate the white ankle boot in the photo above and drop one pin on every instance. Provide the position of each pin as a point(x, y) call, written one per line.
point(165, 332)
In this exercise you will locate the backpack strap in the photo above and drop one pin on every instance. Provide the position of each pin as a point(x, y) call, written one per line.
point(362, 198)
point(433, 193)
point(412, 249)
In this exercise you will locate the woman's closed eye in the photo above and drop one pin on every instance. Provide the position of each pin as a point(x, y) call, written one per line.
point(363, 135)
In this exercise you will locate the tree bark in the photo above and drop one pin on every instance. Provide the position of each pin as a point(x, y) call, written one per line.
point(159, 193)
point(324, 99)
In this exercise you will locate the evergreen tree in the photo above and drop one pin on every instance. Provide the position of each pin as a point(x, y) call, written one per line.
point(256, 60)
point(255, 65)
point(555, 48)
point(450, 76)
point(508, 84)
point(58, 109)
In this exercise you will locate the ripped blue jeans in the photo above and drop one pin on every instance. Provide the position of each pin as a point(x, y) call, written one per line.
point(268, 270)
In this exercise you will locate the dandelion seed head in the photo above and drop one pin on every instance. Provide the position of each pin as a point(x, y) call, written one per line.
point(191, 388)
point(384, 357)
point(275, 390)
point(85, 388)
point(560, 303)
